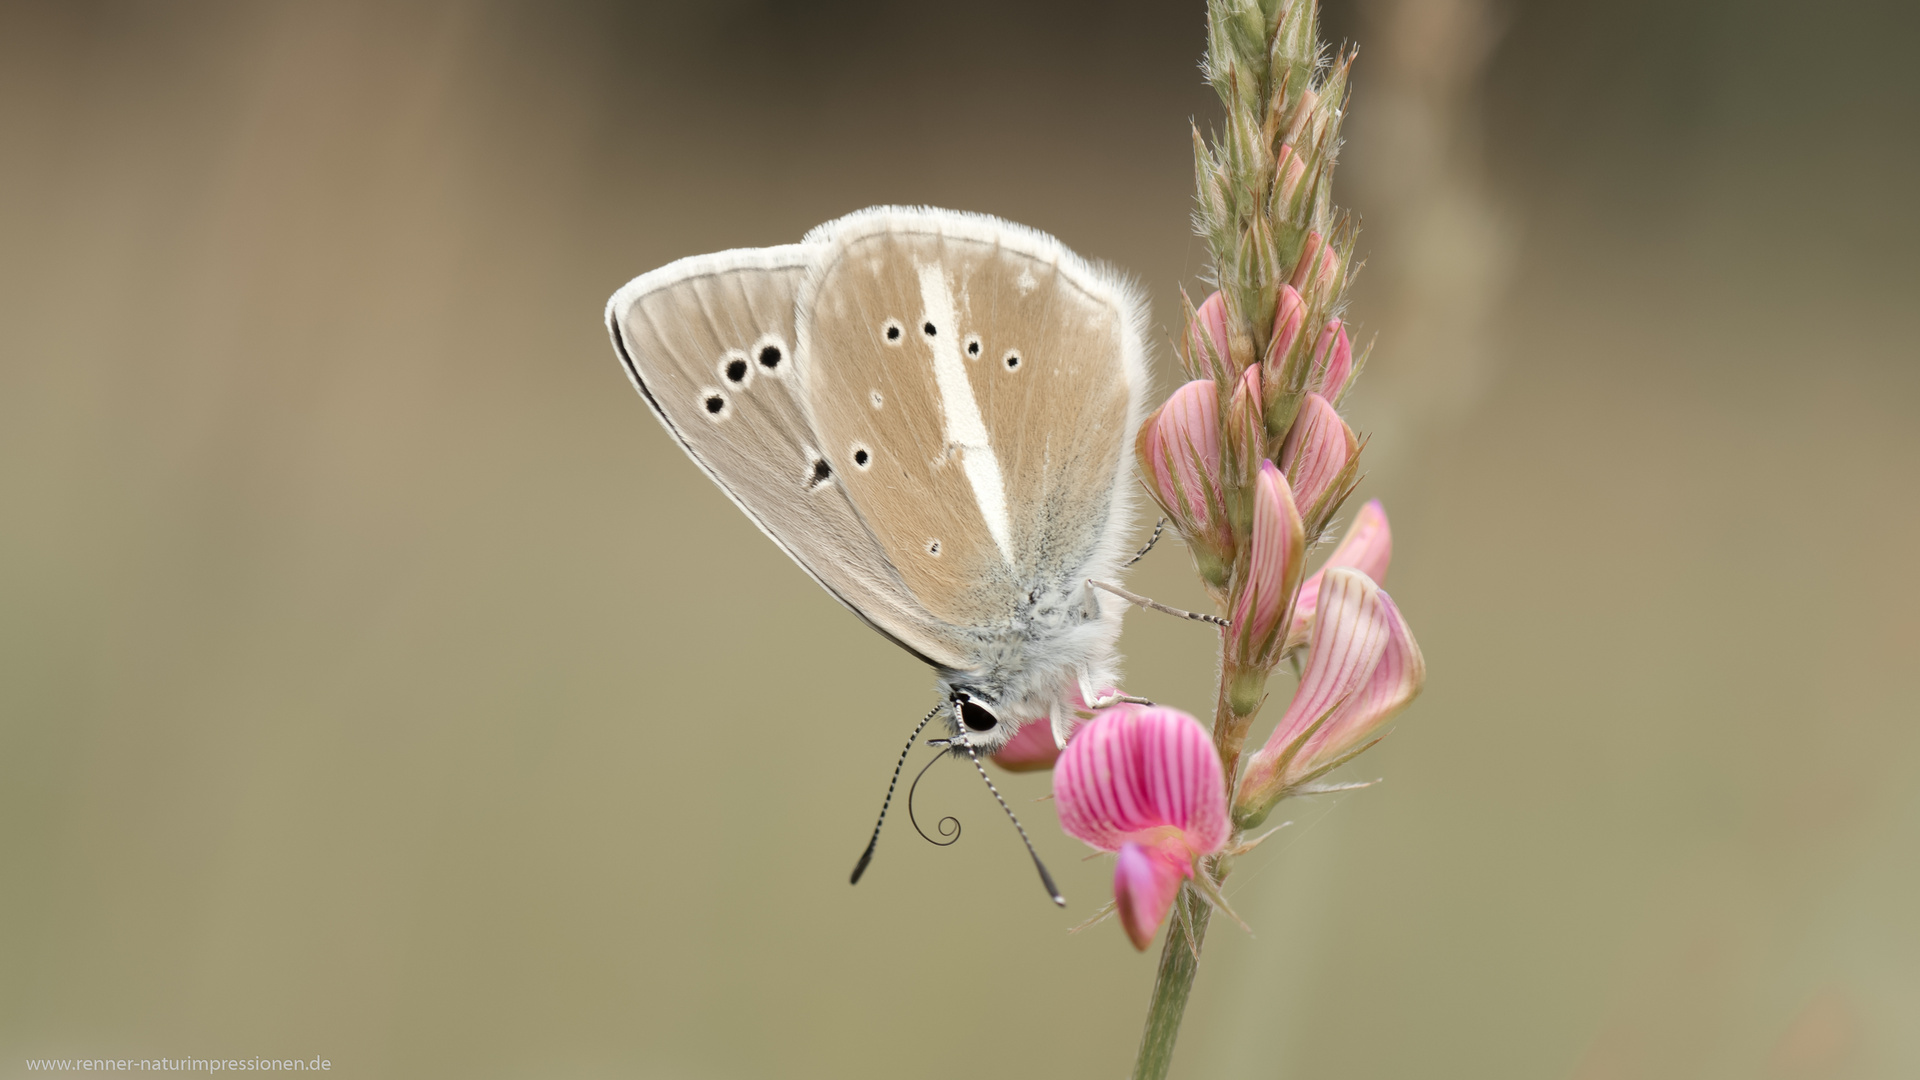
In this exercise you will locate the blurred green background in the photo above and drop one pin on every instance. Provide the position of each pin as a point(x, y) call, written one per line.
point(378, 682)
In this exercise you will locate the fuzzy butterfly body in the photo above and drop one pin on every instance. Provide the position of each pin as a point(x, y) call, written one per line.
point(930, 412)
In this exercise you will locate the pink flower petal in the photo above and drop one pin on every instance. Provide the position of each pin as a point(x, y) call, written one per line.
point(1367, 547)
point(1142, 774)
point(1145, 881)
point(1349, 635)
point(1395, 681)
point(1274, 563)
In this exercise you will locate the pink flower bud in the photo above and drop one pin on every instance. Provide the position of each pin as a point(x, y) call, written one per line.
point(1246, 425)
point(1179, 452)
point(1030, 750)
point(1144, 782)
point(1332, 362)
point(1179, 449)
point(1319, 264)
point(1036, 745)
point(1367, 547)
point(1287, 317)
point(1287, 174)
point(1316, 454)
point(1274, 563)
point(1208, 340)
point(1363, 667)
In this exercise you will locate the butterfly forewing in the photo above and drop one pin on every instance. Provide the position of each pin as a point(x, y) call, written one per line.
point(710, 342)
point(979, 398)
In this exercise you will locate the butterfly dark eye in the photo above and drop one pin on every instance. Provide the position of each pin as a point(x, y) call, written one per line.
point(822, 472)
point(930, 331)
point(715, 403)
point(736, 370)
point(769, 358)
point(861, 457)
point(973, 348)
point(933, 548)
point(893, 331)
point(976, 717)
point(1013, 361)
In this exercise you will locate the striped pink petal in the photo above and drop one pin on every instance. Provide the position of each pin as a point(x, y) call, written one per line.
point(1288, 171)
point(1316, 451)
point(1367, 547)
point(1349, 635)
point(1393, 683)
point(1273, 566)
point(1146, 775)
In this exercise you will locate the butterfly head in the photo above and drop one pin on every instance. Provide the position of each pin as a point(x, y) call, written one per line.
point(977, 720)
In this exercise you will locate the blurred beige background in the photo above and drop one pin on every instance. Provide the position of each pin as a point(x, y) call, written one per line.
point(378, 682)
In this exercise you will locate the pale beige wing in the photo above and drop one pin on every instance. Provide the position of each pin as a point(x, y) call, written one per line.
point(710, 344)
point(977, 385)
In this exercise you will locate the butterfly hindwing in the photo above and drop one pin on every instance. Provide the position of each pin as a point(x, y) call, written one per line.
point(710, 342)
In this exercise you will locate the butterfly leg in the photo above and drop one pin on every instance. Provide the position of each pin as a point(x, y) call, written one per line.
point(1115, 699)
point(1135, 598)
point(1151, 540)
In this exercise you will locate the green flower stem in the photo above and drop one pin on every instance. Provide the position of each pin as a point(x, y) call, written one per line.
point(1180, 951)
point(1171, 985)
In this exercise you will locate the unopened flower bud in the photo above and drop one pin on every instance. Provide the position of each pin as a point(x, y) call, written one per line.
point(1279, 403)
point(1274, 564)
point(1179, 453)
point(1319, 266)
point(1288, 171)
point(1363, 667)
point(1144, 782)
point(1208, 341)
point(1367, 547)
point(1320, 457)
point(1246, 429)
point(1332, 362)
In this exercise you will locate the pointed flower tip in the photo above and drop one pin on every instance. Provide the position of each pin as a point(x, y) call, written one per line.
point(1317, 451)
point(1143, 781)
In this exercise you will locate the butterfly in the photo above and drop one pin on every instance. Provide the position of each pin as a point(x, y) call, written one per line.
point(930, 411)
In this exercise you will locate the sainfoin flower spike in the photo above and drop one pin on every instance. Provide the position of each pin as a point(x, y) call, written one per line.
point(1179, 452)
point(1362, 668)
point(1367, 547)
point(1144, 782)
